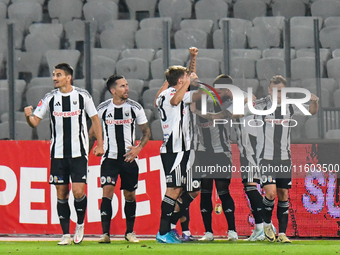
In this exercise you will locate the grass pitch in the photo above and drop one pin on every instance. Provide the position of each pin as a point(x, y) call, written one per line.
point(152, 247)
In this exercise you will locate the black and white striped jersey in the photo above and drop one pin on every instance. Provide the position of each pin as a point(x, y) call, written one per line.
point(243, 136)
point(273, 131)
point(69, 135)
point(210, 138)
point(175, 121)
point(119, 122)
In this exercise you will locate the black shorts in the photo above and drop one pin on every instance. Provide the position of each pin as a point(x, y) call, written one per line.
point(193, 184)
point(111, 168)
point(276, 172)
point(249, 171)
point(63, 168)
point(175, 168)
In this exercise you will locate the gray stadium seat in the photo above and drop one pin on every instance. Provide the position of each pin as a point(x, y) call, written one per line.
point(207, 67)
point(216, 54)
point(5, 1)
point(266, 68)
point(136, 85)
point(241, 26)
point(289, 8)
point(246, 53)
point(187, 38)
point(325, 8)
point(22, 130)
point(109, 53)
point(147, 54)
point(133, 68)
point(298, 132)
point(132, 95)
point(326, 96)
point(157, 70)
point(117, 39)
point(330, 37)
point(17, 115)
point(302, 37)
point(156, 130)
point(203, 24)
point(149, 96)
point(303, 68)
point(242, 68)
point(56, 29)
point(27, 62)
point(326, 83)
point(75, 32)
point(333, 67)
point(154, 22)
point(332, 21)
point(305, 21)
point(65, 10)
point(149, 38)
point(214, 10)
point(36, 93)
point(4, 95)
point(41, 81)
point(182, 54)
point(333, 134)
point(25, 12)
point(101, 11)
point(55, 57)
point(97, 84)
point(236, 41)
point(244, 84)
point(149, 115)
point(41, 2)
point(263, 38)
point(44, 130)
point(176, 10)
point(325, 54)
point(276, 22)
point(102, 67)
point(3, 11)
point(277, 53)
point(141, 5)
point(336, 96)
point(156, 83)
point(336, 53)
point(129, 25)
point(249, 9)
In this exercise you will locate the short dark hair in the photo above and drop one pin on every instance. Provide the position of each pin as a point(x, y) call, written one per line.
point(111, 81)
point(173, 73)
point(223, 79)
point(65, 67)
point(277, 79)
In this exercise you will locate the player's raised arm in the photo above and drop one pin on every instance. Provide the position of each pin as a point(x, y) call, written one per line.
point(314, 106)
point(193, 54)
point(31, 119)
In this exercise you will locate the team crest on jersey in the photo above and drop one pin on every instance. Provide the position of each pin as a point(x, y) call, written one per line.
point(74, 102)
point(126, 114)
point(40, 103)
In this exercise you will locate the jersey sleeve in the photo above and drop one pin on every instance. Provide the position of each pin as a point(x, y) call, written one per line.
point(187, 99)
point(89, 106)
point(297, 111)
point(141, 117)
point(42, 107)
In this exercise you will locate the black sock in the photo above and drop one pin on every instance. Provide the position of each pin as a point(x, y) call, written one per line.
point(106, 214)
point(206, 209)
point(228, 206)
point(80, 205)
point(130, 213)
point(185, 224)
point(255, 199)
point(267, 209)
point(64, 213)
point(175, 217)
point(167, 209)
point(282, 215)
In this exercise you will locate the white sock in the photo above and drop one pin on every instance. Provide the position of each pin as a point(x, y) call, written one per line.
point(258, 227)
point(172, 226)
point(187, 233)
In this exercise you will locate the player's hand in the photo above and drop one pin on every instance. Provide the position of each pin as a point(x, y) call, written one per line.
point(132, 154)
point(193, 107)
point(314, 98)
point(193, 79)
point(98, 151)
point(28, 111)
point(193, 51)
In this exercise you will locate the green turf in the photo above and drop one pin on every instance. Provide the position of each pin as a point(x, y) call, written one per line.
point(151, 247)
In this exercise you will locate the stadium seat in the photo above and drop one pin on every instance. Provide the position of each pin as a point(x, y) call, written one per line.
point(18, 35)
point(36, 93)
point(325, 54)
point(266, 68)
point(41, 2)
point(129, 25)
point(156, 130)
point(4, 95)
point(298, 132)
point(149, 38)
point(132, 95)
point(213, 10)
point(241, 26)
point(154, 22)
point(65, 10)
point(305, 22)
point(136, 85)
point(44, 130)
point(303, 68)
point(203, 24)
point(244, 84)
point(97, 84)
point(109, 53)
point(336, 53)
point(117, 39)
point(176, 10)
point(332, 21)
point(149, 96)
point(41, 81)
point(325, 8)
point(289, 8)
point(330, 37)
point(187, 38)
point(75, 32)
point(249, 9)
point(141, 5)
point(3, 11)
point(336, 96)
point(25, 13)
point(333, 134)
point(241, 68)
point(277, 53)
point(265, 22)
point(157, 69)
point(22, 131)
point(302, 37)
point(55, 57)
point(236, 41)
point(329, 84)
point(182, 54)
point(102, 67)
point(245, 53)
point(326, 96)
point(28, 62)
point(156, 83)
point(5, 2)
point(147, 54)
point(133, 68)
point(263, 38)
point(149, 115)
point(333, 67)
point(216, 54)
point(101, 11)
point(17, 115)
point(53, 28)
point(312, 128)
point(206, 67)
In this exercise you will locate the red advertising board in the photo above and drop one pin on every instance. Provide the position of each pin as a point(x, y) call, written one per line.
point(28, 202)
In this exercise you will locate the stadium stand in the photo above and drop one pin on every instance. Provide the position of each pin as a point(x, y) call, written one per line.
point(65, 10)
point(133, 68)
point(249, 9)
point(213, 10)
point(289, 8)
point(149, 38)
point(141, 5)
point(176, 10)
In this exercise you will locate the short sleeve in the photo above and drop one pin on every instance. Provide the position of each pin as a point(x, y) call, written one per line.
point(42, 107)
point(297, 111)
point(187, 99)
point(89, 106)
point(141, 117)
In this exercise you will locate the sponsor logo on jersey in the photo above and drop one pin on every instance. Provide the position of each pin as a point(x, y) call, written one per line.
point(119, 122)
point(168, 178)
point(66, 114)
point(110, 115)
point(206, 124)
point(57, 104)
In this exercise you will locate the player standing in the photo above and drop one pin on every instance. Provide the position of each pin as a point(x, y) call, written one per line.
point(68, 107)
point(119, 117)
